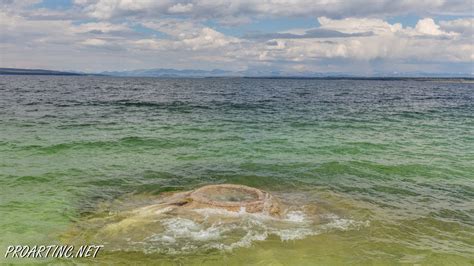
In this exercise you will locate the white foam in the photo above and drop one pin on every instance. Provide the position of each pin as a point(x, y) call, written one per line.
point(343, 224)
point(181, 233)
point(295, 216)
point(291, 216)
point(226, 230)
point(185, 228)
point(206, 212)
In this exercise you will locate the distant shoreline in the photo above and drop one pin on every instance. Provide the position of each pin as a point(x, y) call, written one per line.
point(44, 72)
point(469, 79)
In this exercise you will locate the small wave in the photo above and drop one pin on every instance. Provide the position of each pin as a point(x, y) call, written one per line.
point(112, 144)
point(343, 224)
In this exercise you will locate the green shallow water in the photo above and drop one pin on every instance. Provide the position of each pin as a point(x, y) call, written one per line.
point(395, 158)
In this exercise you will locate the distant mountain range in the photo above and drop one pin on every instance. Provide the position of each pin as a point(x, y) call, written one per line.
point(193, 73)
point(165, 72)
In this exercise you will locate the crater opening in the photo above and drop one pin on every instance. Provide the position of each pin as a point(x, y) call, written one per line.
point(234, 198)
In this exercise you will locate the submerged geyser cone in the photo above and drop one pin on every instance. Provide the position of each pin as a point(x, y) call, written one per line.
point(234, 198)
point(211, 217)
point(225, 197)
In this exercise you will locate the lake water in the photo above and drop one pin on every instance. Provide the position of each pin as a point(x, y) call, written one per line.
point(389, 163)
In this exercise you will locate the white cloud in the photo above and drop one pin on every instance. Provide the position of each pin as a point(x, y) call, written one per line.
point(105, 9)
point(428, 26)
point(180, 8)
point(358, 25)
point(188, 30)
point(113, 38)
point(463, 26)
point(94, 42)
point(209, 38)
point(389, 42)
point(17, 29)
point(101, 27)
point(177, 28)
point(187, 35)
point(15, 4)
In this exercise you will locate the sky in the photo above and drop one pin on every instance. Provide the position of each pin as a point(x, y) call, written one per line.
point(361, 37)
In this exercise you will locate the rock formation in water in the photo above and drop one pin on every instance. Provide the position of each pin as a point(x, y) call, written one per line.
point(235, 198)
point(211, 217)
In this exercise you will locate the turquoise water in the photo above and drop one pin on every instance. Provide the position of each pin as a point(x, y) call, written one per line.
point(392, 160)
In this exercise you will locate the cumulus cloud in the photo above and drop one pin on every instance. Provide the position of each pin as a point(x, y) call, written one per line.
point(387, 42)
point(351, 35)
point(15, 4)
point(308, 34)
point(94, 42)
point(187, 35)
point(359, 25)
point(105, 9)
point(428, 26)
point(180, 8)
point(101, 27)
point(463, 26)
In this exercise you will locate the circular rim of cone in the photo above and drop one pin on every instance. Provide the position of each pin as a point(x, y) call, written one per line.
point(199, 195)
